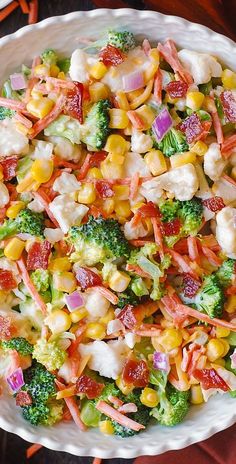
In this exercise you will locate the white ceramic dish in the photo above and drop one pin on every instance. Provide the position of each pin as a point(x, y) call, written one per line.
point(63, 34)
point(4, 3)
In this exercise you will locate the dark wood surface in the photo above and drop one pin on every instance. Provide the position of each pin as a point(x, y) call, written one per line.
point(219, 15)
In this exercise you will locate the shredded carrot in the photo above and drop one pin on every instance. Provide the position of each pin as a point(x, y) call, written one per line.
point(83, 363)
point(110, 296)
point(216, 121)
point(109, 411)
point(135, 120)
point(157, 89)
point(193, 249)
point(64, 84)
point(33, 449)
point(139, 242)
point(229, 179)
point(148, 330)
point(24, 6)
point(30, 286)
point(66, 393)
point(137, 270)
point(183, 263)
point(12, 104)
point(211, 256)
point(66, 415)
point(79, 335)
point(169, 52)
point(44, 122)
point(45, 200)
point(210, 241)
point(60, 162)
point(25, 121)
point(158, 235)
point(134, 184)
point(97, 461)
point(73, 407)
point(33, 12)
point(8, 10)
point(228, 146)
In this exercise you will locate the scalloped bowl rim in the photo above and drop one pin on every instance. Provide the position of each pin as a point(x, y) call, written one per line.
point(94, 443)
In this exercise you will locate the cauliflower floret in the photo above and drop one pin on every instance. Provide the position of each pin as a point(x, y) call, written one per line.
point(4, 195)
point(182, 182)
point(226, 231)
point(214, 164)
point(65, 149)
point(132, 232)
point(140, 142)
point(66, 183)
point(131, 339)
point(133, 163)
point(222, 188)
point(106, 358)
point(36, 206)
point(12, 141)
point(80, 64)
point(42, 150)
point(200, 65)
point(67, 212)
point(96, 305)
point(53, 235)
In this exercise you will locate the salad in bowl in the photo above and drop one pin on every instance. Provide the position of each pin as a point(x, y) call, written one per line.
point(118, 234)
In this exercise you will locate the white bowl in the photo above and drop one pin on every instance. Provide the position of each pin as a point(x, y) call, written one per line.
point(63, 33)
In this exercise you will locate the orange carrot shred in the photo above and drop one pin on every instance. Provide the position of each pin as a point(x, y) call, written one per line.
point(24, 6)
point(8, 10)
point(97, 461)
point(33, 449)
point(134, 186)
point(33, 12)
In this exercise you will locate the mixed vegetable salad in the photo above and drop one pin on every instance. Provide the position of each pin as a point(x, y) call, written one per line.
point(118, 234)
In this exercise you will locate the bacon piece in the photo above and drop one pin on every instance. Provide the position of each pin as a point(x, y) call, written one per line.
point(127, 316)
point(7, 281)
point(214, 204)
point(135, 373)
point(87, 278)
point(73, 407)
point(228, 146)
point(111, 412)
point(116, 401)
point(135, 120)
point(157, 86)
point(90, 387)
point(74, 101)
point(191, 285)
point(171, 228)
point(30, 286)
point(209, 378)
point(192, 128)
point(111, 56)
point(23, 398)
point(229, 105)
point(169, 53)
point(176, 89)
point(38, 255)
point(9, 167)
point(5, 328)
point(104, 189)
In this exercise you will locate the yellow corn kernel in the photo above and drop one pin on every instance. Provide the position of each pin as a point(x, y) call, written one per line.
point(78, 315)
point(108, 205)
point(14, 209)
point(87, 193)
point(118, 118)
point(41, 70)
point(182, 158)
point(40, 107)
point(58, 321)
point(229, 79)
point(122, 208)
point(170, 338)
point(123, 387)
point(122, 100)
point(119, 281)
point(194, 100)
point(149, 397)
point(226, 346)
point(222, 332)
point(14, 248)
point(175, 116)
point(98, 70)
point(230, 306)
point(115, 158)
point(42, 170)
point(156, 162)
point(196, 395)
point(61, 75)
point(137, 206)
point(98, 91)
point(94, 173)
point(143, 97)
point(208, 104)
point(133, 94)
point(200, 148)
point(95, 331)
point(215, 349)
point(109, 316)
point(116, 144)
point(147, 115)
point(111, 170)
point(106, 427)
point(35, 94)
point(128, 130)
point(233, 173)
point(60, 264)
point(54, 70)
point(21, 128)
point(220, 362)
point(121, 192)
point(65, 282)
point(1, 173)
point(27, 184)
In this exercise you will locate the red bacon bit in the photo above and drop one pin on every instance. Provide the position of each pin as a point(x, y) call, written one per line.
point(135, 373)
point(111, 56)
point(7, 281)
point(90, 387)
point(176, 89)
point(87, 278)
point(171, 228)
point(191, 285)
point(192, 128)
point(214, 204)
point(157, 86)
point(9, 167)
point(104, 189)
point(149, 210)
point(38, 256)
point(210, 379)
point(229, 105)
point(23, 398)
point(5, 328)
point(127, 317)
point(74, 101)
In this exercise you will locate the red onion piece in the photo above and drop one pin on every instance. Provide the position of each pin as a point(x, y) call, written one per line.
point(74, 301)
point(162, 124)
point(16, 380)
point(18, 81)
point(161, 361)
point(133, 81)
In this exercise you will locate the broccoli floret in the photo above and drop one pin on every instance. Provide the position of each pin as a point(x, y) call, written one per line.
point(26, 222)
point(64, 65)
point(225, 272)
point(41, 280)
point(125, 41)
point(49, 354)
point(44, 414)
point(6, 113)
point(127, 297)
point(139, 287)
point(173, 142)
point(191, 213)
point(49, 56)
point(97, 240)
point(210, 298)
point(20, 344)
point(206, 88)
point(169, 210)
point(96, 126)
point(173, 406)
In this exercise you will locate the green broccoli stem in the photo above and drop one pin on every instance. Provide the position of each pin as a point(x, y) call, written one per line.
point(8, 228)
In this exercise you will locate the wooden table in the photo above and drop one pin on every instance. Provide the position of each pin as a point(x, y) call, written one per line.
point(219, 15)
